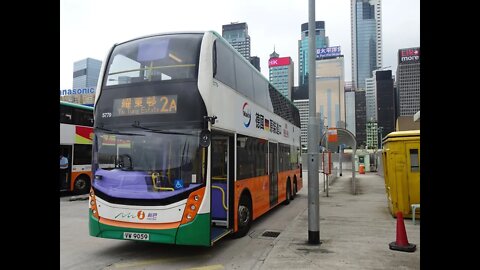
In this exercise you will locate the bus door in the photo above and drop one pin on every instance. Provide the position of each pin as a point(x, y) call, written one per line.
point(221, 185)
point(273, 173)
point(65, 174)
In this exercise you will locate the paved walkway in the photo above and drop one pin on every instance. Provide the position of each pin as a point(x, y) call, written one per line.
point(355, 231)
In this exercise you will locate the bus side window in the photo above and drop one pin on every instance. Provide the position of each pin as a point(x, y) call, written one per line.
point(66, 115)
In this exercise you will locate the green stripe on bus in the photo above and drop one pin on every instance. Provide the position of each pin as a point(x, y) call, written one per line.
point(166, 236)
point(196, 232)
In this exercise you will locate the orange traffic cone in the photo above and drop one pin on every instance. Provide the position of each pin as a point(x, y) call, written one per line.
point(402, 241)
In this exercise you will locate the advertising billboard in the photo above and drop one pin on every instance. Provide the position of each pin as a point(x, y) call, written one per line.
point(328, 52)
point(410, 55)
point(280, 61)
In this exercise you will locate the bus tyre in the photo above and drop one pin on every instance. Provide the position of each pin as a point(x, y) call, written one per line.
point(81, 185)
point(288, 194)
point(294, 190)
point(244, 216)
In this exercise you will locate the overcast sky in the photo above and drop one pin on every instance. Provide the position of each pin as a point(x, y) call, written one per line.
point(88, 28)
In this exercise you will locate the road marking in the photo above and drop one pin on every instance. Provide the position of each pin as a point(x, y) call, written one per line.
point(158, 261)
point(209, 267)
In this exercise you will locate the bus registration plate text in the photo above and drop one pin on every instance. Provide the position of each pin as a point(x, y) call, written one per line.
point(136, 236)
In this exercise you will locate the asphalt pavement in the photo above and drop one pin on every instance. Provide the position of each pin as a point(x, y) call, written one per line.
point(355, 231)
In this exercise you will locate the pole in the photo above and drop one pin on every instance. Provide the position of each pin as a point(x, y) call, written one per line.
point(340, 149)
point(328, 159)
point(313, 126)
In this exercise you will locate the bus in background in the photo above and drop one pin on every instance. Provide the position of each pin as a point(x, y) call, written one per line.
point(191, 142)
point(76, 132)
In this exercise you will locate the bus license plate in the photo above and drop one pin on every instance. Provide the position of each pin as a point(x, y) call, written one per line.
point(136, 236)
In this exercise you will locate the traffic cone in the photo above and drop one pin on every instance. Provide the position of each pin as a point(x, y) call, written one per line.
point(402, 241)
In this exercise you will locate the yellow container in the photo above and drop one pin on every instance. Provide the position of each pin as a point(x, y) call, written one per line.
point(401, 167)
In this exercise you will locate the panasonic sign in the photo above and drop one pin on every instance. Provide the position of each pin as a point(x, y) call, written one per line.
point(80, 91)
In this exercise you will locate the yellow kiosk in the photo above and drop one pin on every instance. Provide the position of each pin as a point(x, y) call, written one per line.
point(401, 165)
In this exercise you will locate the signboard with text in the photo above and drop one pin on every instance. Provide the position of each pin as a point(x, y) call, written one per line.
point(410, 55)
point(280, 61)
point(328, 52)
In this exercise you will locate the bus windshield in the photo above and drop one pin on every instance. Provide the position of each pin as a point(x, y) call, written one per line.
point(158, 58)
point(142, 161)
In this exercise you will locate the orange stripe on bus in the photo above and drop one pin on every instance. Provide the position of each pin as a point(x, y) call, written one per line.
point(124, 224)
point(259, 187)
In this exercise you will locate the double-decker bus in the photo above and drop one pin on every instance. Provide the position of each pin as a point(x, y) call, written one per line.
point(191, 142)
point(76, 133)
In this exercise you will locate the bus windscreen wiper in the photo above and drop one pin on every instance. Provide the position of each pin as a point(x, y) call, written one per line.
point(136, 125)
point(116, 132)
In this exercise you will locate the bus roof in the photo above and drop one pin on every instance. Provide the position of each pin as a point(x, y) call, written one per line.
point(75, 105)
point(248, 62)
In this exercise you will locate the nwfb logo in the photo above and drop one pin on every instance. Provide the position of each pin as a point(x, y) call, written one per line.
point(247, 115)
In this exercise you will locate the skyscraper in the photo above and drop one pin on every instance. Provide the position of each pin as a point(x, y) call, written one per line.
point(85, 76)
point(385, 101)
point(371, 99)
point(255, 61)
point(366, 19)
point(237, 35)
point(408, 81)
point(321, 41)
point(349, 108)
point(360, 117)
point(281, 74)
point(330, 92)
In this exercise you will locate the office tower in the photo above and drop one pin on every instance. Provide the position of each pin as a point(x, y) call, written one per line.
point(330, 92)
point(281, 74)
point(303, 109)
point(371, 99)
point(366, 40)
point(85, 78)
point(385, 101)
point(408, 81)
point(237, 35)
point(349, 107)
point(372, 136)
point(321, 41)
point(360, 117)
point(255, 61)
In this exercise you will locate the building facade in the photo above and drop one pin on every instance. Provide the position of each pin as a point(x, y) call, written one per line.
point(372, 134)
point(371, 99)
point(281, 74)
point(408, 81)
point(360, 117)
point(385, 101)
point(330, 92)
point(349, 108)
point(321, 41)
point(255, 61)
point(302, 105)
point(366, 39)
point(237, 35)
point(85, 77)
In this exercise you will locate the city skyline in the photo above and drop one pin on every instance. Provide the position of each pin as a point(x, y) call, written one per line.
point(88, 29)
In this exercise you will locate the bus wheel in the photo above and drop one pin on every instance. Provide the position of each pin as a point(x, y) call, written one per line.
point(244, 216)
point(288, 194)
point(82, 185)
point(294, 193)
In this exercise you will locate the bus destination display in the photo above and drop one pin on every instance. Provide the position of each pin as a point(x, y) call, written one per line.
point(145, 105)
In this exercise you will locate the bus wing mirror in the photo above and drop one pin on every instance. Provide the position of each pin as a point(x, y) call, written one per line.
point(205, 138)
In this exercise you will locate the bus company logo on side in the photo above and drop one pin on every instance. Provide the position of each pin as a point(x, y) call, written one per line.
point(141, 215)
point(247, 115)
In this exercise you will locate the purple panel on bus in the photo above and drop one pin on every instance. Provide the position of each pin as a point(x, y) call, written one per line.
point(218, 211)
point(132, 185)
